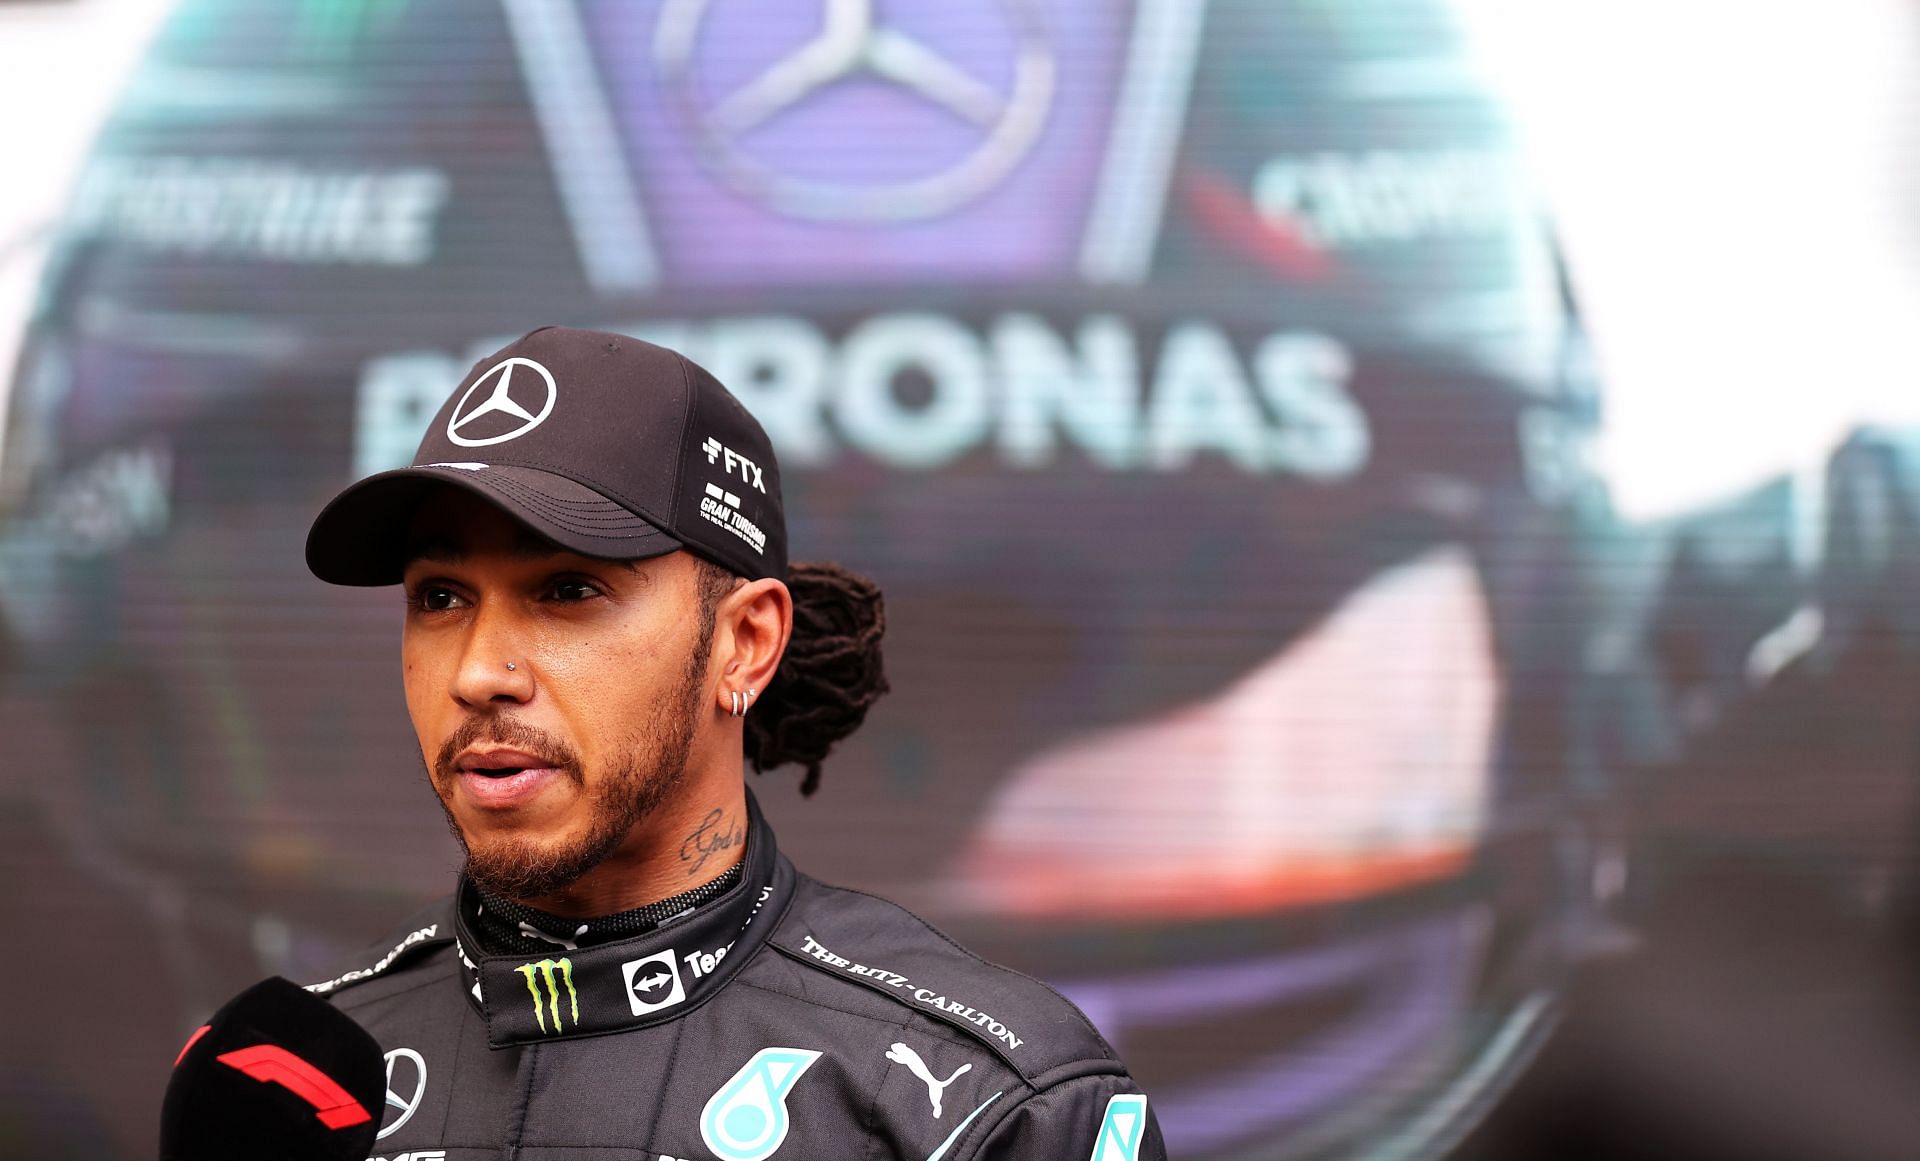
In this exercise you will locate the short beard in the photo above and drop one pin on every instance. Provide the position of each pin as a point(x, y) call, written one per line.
point(651, 771)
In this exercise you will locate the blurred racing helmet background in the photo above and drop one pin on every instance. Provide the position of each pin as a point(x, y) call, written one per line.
point(1198, 380)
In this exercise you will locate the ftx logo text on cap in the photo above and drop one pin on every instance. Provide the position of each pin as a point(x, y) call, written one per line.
point(736, 463)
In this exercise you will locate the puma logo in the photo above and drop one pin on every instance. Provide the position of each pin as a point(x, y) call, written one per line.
point(901, 1054)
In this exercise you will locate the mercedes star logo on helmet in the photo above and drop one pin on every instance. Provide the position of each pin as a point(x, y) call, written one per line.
point(502, 401)
point(853, 47)
point(406, 1104)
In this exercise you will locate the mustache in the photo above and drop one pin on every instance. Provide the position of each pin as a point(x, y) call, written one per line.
point(506, 732)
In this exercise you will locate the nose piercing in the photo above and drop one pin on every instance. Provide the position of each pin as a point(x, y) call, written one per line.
point(510, 667)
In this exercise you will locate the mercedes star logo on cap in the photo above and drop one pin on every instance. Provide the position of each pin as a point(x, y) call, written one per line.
point(502, 401)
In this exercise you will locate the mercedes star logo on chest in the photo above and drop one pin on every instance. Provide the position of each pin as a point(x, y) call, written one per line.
point(406, 1085)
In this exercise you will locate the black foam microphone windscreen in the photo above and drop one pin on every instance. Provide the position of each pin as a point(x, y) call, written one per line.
point(276, 1073)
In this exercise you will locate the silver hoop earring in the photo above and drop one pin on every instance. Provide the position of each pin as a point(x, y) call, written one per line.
point(510, 667)
point(733, 696)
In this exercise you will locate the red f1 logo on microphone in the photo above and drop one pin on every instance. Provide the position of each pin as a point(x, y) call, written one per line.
point(272, 1064)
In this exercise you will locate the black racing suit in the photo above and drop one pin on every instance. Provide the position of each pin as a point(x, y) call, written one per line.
point(785, 1019)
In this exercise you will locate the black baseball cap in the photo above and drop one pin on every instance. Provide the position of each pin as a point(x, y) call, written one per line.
point(606, 445)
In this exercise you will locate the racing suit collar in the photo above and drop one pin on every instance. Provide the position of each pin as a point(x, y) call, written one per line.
point(631, 983)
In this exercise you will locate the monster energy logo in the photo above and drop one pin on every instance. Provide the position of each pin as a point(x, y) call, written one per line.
point(551, 973)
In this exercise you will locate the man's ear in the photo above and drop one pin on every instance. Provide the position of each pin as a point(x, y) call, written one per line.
point(752, 625)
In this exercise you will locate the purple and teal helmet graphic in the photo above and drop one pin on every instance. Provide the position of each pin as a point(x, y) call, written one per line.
point(999, 115)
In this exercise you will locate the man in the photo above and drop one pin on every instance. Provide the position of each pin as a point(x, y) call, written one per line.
point(600, 623)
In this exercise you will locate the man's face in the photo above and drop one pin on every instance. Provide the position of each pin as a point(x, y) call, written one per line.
point(545, 769)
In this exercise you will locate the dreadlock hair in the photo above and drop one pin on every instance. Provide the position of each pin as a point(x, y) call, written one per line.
point(830, 674)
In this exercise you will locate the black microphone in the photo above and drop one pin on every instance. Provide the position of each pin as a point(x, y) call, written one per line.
point(276, 1073)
